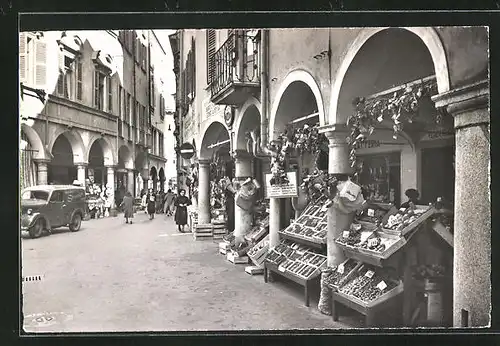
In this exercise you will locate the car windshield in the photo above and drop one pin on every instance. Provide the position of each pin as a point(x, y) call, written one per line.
point(35, 194)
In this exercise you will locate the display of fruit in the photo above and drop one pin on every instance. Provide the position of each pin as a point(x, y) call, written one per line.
point(371, 292)
point(228, 237)
point(335, 277)
point(272, 256)
point(403, 218)
point(353, 238)
point(261, 245)
point(321, 213)
point(370, 288)
point(312, 222)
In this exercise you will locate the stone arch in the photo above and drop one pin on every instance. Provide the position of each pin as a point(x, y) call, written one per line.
point(429, 37)
point(35, 142)
point(76, 142)
point(248, 118)
point(214, 131)
point(295, 76)
point(125, 157)
point(107, 150)
point(161, 178)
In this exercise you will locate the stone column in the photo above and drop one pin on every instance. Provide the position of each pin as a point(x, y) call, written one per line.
point(204, 192)
point(111, 183)
point(42, 172)
point(472, 229)
point(338, 163)
point(243, 219)
point(274, 222)
point(130, 182)
point(81, 170)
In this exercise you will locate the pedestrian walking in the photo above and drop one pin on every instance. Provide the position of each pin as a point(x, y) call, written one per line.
point(151, 200)
point(159, 201)
point(169, 202)
point(181, 214)
point(127, 205)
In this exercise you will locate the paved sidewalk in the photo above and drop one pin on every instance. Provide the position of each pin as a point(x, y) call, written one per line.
point(111, 276)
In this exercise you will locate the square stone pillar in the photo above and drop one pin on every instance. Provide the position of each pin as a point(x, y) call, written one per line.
point(274, 222)
point(338, 163)
point(81, 172)
point(42, 175)
point(243, 219)
point(204, 216)
point(111, 182)
point(472, 229)
point(130, 182)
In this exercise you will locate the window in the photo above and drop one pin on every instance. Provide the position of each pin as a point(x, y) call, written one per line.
point(120, 110)
point(57, 196)
point(99, 78)
point(162, 107)
point(65, 81)
point(128, 111)
point(79, 81)
point(211, 49)
point(109, 85)
point(152, 95)
point(32, 60)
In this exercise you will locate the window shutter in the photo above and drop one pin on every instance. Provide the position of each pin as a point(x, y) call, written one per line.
point(110, 94)
point(40, 64)
point(23, 66)
point(96, 89)
point(211, 48)
point(79, 81)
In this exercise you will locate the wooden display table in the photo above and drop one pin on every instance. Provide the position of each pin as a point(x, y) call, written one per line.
point(306, 283)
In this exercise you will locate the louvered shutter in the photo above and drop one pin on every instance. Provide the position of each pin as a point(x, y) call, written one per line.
point(40, 64)
point(23, 64)
point(60, 78)
point(211, 48)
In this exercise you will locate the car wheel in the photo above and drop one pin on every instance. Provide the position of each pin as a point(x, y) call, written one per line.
point(36, 230)
point(76, 222)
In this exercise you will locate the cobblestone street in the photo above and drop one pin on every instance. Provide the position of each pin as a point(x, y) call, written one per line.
point(111, 276)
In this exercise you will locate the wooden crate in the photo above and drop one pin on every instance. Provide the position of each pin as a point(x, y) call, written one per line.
point(203, 232)
point(233, 258)
point(254, 270)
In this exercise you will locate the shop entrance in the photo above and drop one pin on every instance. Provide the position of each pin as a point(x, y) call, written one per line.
point(438, 173)
point(96, 171)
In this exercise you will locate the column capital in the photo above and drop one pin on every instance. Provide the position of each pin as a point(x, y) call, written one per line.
point(204, 162)
point(462, 102)
point(81, 164)
point(240, 154)
point(336, 134)
point(42, 161)
point(110, 167)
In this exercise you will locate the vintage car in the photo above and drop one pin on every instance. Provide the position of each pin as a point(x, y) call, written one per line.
point(46, 207)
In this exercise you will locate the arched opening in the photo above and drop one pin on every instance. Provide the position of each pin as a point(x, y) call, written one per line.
point(140, 163)
point(97, 172)
point(297, 107)
point(61, 169)
point(161, 178)
point(125, 163)
point(388, 60)
point(153, 176)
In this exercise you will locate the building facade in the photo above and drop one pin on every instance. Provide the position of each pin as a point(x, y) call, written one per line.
point(230, 82)
point(103, 114)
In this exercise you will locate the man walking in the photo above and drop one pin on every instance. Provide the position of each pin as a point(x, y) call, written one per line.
point(169, 202)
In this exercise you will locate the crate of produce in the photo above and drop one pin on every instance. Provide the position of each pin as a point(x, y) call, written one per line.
point(256, 234)
point(254, 270)
point(370, 286)
point(406, 220)
point(203, 232)
point(258, 253)
point(376, 212)
point(224, 247)
point(341, 273)
point(382, 245)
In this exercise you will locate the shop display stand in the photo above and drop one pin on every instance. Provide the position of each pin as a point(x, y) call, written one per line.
point(309, 233)
point(392, 299)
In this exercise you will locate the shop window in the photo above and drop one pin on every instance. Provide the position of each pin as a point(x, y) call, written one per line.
point(380, 177)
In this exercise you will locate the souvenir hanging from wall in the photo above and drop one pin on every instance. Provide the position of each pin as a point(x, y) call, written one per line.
point(401, 107)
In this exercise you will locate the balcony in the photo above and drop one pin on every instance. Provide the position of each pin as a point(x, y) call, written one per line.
point(236, 69)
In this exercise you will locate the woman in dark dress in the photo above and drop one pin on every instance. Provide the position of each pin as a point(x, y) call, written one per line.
point(128, 207)
point(181, 214)
point(151, 201)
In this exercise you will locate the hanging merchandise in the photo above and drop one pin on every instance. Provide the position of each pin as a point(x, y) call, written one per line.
point(247, 194)
point(401, 108)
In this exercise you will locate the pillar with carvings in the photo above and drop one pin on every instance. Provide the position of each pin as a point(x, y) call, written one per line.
point(42, 175)
point(242, 218)
point(338, 163)
point(472, 220)
point(204, 192)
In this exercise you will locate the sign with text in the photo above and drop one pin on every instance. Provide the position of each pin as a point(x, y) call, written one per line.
point(282, 191)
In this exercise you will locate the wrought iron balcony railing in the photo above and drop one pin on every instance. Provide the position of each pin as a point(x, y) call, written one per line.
point(236, 61)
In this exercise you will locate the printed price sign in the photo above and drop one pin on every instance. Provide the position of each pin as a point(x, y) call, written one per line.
point(371, 212)
point(345, 234)
point(340, 268)
point(373, 242)
point(382, 285)
point(281, 269)
point(369, 274)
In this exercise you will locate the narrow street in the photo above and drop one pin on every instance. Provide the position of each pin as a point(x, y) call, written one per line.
point(111, 276)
